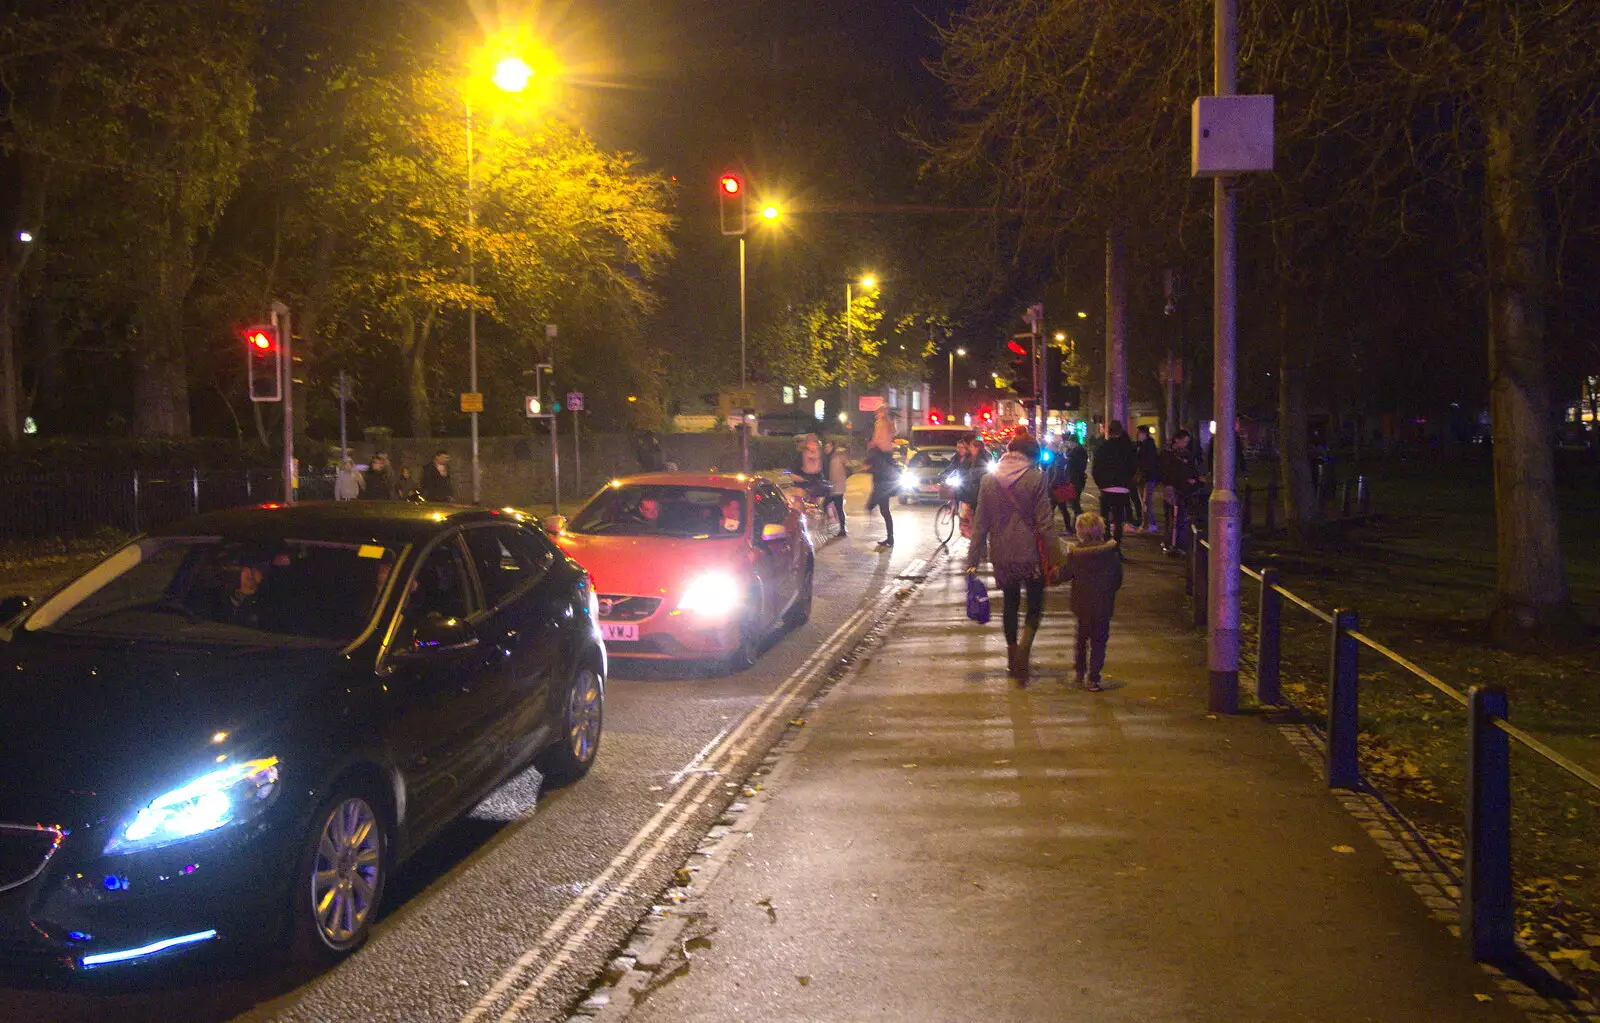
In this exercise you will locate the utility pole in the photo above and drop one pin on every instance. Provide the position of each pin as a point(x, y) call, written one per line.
point(284, 324)
point(344, 436)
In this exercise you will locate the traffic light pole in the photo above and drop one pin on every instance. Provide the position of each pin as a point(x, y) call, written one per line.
point(285, 324)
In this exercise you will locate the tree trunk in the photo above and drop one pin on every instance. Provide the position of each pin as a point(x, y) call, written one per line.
point(161, 366)
point(414, 343)
point(1531, 605)
point(1116, 328)
point(1302, 507)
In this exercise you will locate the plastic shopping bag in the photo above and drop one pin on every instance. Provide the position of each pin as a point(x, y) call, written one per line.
point(977, 600)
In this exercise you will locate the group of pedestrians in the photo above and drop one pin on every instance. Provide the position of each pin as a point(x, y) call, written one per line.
point(381, 481)
point(1014, 529)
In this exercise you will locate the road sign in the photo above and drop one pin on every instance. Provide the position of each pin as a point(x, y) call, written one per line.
point(471, 401)
point(574, 401)
point(869, 402)
point(731, 400)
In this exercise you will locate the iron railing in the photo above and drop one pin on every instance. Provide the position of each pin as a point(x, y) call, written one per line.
point(61, 503)
point(1488, 905)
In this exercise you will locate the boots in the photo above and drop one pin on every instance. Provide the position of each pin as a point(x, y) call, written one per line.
point(1024, 652)
point(1011, 659)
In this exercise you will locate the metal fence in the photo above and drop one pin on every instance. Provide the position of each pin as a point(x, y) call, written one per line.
point(35, 505)
point(1488, 906)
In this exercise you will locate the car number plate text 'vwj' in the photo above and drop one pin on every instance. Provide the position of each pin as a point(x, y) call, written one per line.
point(621, 631)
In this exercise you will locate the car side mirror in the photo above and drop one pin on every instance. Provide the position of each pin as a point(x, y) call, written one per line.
point(11, 607)
point(436, 634)
point(774, 531)
point(554, 523)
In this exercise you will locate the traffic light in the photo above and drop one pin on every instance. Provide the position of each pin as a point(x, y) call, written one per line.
point(1021, 350)
point(730, 201)
point(1062, 394)
point(264, 362)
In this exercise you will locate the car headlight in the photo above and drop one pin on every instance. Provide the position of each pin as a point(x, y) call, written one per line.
point(224, 796)
point(714, 594)
point(993, 466)
point(953, 480)
point(908, 478)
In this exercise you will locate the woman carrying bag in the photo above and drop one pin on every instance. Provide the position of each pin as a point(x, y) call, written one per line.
point(1015, 527)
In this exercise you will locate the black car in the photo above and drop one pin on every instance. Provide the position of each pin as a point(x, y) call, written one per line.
point(234, 729)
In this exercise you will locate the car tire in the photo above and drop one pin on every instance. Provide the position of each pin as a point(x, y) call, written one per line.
point(339, 876)
point(582, 721)
point(800, 611)
point(744, 655)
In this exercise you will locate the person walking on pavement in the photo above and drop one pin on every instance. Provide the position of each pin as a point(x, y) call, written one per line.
point(435, 482)
point(1149, 475)
point(1180, 476)
point(885, 474)
point(1013, 518)
point(1058, 481)
point(1114, 466)
point(1076, 457)
point(838, 469)
point(380, 479)
point(348, 484)
point(1095, 571)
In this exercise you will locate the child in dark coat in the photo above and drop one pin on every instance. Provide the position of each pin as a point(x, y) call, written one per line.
point(1095, 570)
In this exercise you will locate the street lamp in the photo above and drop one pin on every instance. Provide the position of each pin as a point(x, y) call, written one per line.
point(952, 382)
point(868, 282)
point(511, 75)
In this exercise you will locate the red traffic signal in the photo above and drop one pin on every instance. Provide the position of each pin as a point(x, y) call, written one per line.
point(1018, 349)
point(263, 363)
point(730, 203)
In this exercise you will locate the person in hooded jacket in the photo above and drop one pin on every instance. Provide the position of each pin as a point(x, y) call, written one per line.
point(885, 473)
point(1115, 464)
point(1013, 516)
point(1095, 571)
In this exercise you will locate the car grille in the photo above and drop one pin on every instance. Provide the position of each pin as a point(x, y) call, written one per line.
point(618, 608)
point(24, 850)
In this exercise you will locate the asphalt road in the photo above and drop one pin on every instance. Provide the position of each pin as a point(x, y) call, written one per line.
point(515, 912)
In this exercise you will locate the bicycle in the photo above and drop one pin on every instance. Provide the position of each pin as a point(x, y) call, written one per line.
point(949, 513)
point(812, 501)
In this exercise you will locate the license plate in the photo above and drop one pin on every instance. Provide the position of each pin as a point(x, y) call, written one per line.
point(620, 631)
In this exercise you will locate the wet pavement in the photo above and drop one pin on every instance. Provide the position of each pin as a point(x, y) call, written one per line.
point(939, 844)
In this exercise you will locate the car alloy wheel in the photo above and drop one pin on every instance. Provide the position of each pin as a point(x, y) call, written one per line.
point(582, 720)
point(346, 873)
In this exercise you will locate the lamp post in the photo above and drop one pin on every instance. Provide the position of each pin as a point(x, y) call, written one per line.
point(868, 282)
point(952, 381)
point(510, 75)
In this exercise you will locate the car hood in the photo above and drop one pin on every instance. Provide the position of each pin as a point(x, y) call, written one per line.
point(652, 566)
point(91, 726)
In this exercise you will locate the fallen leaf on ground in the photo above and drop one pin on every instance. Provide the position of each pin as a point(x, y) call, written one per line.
point(908, 765)
point(1580, 958)
point(1484, 998)
point(1346, 849)
point(797, 722)
point(803, 980)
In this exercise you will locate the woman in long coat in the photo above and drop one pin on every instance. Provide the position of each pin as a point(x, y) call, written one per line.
point(1013, 516)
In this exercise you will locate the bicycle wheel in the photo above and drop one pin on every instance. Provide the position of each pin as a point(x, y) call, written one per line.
point(944, 522)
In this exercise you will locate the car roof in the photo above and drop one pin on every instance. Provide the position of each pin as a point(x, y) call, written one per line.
point(723, 480)
point(392, 522)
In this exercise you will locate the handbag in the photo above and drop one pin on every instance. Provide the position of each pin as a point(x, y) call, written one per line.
point(977, 600)
point(1064, 492)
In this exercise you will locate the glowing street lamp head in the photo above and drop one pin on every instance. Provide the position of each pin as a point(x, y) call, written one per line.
point(512, 74)
point(770, 212)
point(869, 281)
point(1061, 335)
point(1082, 315)
point(961, 351)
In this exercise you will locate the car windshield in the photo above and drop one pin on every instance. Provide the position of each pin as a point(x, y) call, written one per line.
point(224, 590)
point(701, 513)
point(933, 436)
point(932, 458)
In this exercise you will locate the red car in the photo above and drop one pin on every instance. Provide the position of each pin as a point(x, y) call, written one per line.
point(692, 566)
